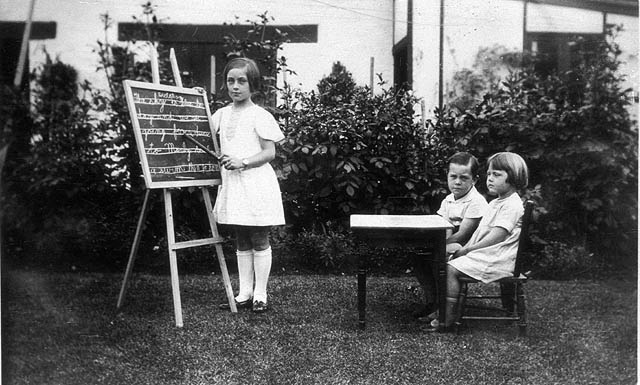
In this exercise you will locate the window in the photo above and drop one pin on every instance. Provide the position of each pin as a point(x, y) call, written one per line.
point(401, 65)
point(200, 50)
point(559, 51)
point(10, 43)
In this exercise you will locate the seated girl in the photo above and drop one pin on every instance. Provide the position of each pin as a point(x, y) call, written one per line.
point(490, 254)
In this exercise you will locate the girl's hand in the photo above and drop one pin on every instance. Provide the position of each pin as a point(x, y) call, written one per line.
point(459, 253)
point(231, 163)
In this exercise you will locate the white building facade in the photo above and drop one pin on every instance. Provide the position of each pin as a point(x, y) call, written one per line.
point(421, 43)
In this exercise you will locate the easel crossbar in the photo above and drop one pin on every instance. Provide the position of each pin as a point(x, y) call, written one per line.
point(196, 243)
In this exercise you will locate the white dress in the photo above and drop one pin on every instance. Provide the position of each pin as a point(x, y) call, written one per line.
point(247, 197)
point(496, 261)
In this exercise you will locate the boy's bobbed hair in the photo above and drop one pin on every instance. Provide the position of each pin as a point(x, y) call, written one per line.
point(464, 158)
point(250, 66)
point(515, 167)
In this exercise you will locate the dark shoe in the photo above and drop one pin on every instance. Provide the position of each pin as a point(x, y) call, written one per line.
point(259, 307)
point(240, 305)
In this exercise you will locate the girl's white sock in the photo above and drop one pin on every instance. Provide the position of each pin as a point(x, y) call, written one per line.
point(245, 274)
point(262, 266)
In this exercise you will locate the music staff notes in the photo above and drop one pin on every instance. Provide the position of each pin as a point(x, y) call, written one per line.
point(175, 132)
point(185, 168)
point(167, 99)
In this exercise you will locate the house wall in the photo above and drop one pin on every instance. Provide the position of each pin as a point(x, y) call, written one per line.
point(472, 24)
point(400, 13)
point(349, 31)
point(628, 42)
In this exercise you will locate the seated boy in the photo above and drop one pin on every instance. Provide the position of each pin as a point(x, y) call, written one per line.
point(464, 208)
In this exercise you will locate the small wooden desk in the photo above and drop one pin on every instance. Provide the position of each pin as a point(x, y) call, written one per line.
point(401, 231)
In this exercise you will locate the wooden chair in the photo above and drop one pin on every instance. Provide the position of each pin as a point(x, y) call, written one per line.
point(512, 288)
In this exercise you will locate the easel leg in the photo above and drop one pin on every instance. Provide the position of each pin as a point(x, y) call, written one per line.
point(134, 247)
point(219, 252)
point(173, 262)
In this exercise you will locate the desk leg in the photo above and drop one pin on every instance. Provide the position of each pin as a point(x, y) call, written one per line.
point(440, 259)
point(362, 292)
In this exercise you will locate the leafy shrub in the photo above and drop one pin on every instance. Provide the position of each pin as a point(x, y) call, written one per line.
point(58, 169)
point(354, 157)
point(491, 64)
point(323, 251)
point(558, 260)
point(338, 87)
point(575, 133)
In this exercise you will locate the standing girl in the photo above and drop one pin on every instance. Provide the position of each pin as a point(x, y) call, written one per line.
point(490, 254)
point(249, 198)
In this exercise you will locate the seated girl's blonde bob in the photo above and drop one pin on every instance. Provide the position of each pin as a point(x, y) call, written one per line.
point(515, 167)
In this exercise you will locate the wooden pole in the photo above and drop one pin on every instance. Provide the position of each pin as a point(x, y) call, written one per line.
point(173, 258)
point(17, 80)
point(423, 113)
point(134, 247)
point(174, 67)
point(441, 58)
point(371, 70)
point(155, 70)
point(219, 252)
point(213, 74)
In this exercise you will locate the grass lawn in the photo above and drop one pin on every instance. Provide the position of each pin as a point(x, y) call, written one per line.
point(62, 328)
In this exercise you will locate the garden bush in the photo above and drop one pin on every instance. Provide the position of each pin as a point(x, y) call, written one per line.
point(71, 185)
point(575, 132)
point(73, 189)
point(354, 157)
point(58, 172)
point(559, 260)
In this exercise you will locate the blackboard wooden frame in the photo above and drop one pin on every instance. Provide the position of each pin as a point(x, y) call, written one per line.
point(183, 175)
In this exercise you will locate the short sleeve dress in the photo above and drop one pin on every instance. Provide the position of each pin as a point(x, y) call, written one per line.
point(497, 261)
point(247, 197)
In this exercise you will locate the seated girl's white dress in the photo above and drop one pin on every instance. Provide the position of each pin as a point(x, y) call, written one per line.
point(247, 197)
point(497, 261)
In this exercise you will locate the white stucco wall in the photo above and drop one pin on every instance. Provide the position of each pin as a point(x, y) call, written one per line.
point(472, 24)
point(468, 25)
point(550, 18)
point(349, 31)
point(401, 13)
point(628, 42)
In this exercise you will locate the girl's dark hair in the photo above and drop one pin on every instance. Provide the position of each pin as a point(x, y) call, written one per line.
point(464, 159)
point(250, 66)
point(515, 167)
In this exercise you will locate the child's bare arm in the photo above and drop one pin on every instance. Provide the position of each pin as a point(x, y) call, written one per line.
point(496, 235)
point(467, 227)
point(267, 154)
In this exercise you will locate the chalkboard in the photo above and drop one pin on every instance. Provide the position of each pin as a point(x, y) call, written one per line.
point(161, 116)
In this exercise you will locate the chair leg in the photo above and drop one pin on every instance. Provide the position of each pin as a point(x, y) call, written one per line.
point(508, 294)
point(522, 311)
point(462, 299)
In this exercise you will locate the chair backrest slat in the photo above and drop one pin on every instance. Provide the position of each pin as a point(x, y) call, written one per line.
point(523, 242)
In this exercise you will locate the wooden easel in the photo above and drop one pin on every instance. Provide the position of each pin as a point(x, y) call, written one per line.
point(173, 246)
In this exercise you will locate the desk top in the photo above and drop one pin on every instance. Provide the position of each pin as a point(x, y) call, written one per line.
point(433, 222)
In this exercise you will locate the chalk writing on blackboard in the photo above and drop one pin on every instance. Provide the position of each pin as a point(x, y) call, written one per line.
point(161, 117)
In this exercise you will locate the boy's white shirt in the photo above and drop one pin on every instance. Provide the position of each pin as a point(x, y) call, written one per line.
point(471, 205)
